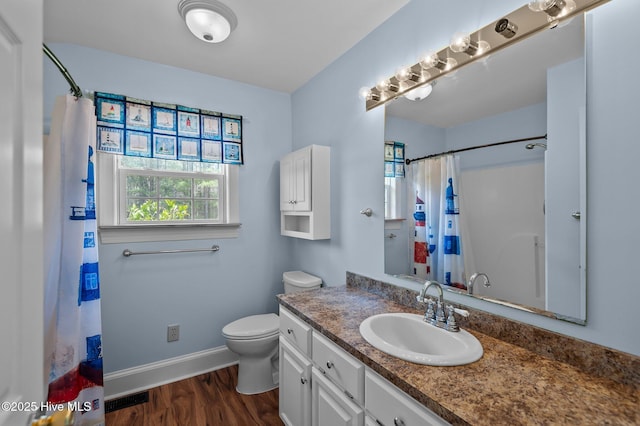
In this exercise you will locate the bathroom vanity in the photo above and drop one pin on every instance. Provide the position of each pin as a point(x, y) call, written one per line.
point(322, 384)
point(330, 375)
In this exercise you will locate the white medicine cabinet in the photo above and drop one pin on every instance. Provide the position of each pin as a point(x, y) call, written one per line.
point(305, 209)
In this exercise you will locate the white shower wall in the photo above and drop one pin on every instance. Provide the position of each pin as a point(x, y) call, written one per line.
point(504, 210)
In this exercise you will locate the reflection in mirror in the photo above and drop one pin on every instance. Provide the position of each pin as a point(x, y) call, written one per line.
point(516, 208)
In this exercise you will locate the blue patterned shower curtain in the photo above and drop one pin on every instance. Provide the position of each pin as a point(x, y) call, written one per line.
point(73, 331)
point(437, 249)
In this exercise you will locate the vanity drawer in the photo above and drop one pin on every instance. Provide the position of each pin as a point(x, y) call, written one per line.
point(295, 331)
point(343, 369)
point(390, 406)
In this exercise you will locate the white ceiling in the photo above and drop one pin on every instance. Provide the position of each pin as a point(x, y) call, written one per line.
point(278, 44)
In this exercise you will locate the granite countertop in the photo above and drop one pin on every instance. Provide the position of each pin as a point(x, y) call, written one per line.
point(509, 385)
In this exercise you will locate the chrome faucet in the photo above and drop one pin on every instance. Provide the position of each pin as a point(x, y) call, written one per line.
point(472, 281)
point(435, 316)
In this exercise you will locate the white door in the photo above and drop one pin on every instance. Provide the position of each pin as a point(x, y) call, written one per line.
point(22, 384)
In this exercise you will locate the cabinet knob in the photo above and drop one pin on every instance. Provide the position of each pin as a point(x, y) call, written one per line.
point(289, 331)
point(303, 380)
point(329, 364)
point(398, 422)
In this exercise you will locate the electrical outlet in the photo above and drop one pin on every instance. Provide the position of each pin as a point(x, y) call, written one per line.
point(173, 333)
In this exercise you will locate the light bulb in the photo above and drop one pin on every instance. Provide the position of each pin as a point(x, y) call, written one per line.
point(364, 93)
point(430, 60)
point(541, 5)
point(383, 85)
point(403, 74)
point(386, 85)
point(424, 76)
point(460, 42)
point(367, 94)
point(554, 8)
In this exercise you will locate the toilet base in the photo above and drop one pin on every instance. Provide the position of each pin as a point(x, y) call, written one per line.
point(255, 375)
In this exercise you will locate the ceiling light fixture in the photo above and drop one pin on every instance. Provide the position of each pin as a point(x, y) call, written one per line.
point(420, 92)
point(209, 20)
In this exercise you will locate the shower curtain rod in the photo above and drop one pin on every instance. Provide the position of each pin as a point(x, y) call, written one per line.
point(409, 161)
point(75, 90)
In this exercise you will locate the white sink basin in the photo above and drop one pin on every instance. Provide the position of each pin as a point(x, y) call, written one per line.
point(409, 337)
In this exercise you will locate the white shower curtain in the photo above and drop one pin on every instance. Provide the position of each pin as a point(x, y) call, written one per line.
point(437, 248)
point(73, 335)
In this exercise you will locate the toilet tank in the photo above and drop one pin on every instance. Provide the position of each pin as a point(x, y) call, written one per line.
point(299, 281)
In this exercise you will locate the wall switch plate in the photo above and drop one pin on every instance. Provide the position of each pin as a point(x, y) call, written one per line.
point(173, 333)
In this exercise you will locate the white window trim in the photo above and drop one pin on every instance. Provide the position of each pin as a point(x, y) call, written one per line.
point(111, 232)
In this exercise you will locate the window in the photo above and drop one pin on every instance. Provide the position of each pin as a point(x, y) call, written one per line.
point(161, 198)
point(169, 191)
point(392, 198)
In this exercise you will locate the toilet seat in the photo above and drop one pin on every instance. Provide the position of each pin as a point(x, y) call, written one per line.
point(253, 327)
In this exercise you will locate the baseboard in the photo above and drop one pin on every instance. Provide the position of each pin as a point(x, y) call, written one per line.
point(143, 377)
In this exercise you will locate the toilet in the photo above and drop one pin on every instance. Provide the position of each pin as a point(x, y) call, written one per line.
point(255, 340)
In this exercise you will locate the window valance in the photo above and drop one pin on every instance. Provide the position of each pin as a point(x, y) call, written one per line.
point(142, 128)
point(393, 159)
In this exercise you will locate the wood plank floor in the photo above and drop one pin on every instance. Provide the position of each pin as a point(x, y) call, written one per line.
point(206, 400)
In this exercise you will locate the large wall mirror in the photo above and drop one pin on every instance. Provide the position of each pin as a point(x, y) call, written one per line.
point(523, 203)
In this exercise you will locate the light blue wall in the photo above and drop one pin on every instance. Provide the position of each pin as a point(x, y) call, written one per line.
point(327, 111)
point(201, 292)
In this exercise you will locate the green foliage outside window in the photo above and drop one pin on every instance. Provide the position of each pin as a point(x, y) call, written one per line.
point(166, 198)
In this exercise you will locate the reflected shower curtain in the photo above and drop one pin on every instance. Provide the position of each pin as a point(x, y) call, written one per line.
point(73, 336)
point(437, 249)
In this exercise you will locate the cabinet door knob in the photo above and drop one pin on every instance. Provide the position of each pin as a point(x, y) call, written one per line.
point(303, 380)
point(289, 331)
point(398, 422)
point(329, 364)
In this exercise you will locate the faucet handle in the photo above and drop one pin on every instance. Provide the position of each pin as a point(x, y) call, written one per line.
point(452, 325)
point(461, 312)
point(430, 314)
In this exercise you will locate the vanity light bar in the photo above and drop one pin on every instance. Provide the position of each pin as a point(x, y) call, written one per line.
point(519, 24)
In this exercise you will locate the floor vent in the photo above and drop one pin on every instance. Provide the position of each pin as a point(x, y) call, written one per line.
point(126, 401)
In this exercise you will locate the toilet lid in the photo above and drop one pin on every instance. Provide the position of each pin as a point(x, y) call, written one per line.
point(252, 327)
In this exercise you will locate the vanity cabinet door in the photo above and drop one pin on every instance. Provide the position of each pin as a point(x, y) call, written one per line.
point(390, 406)
point(295, 386)
point(330, 406)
